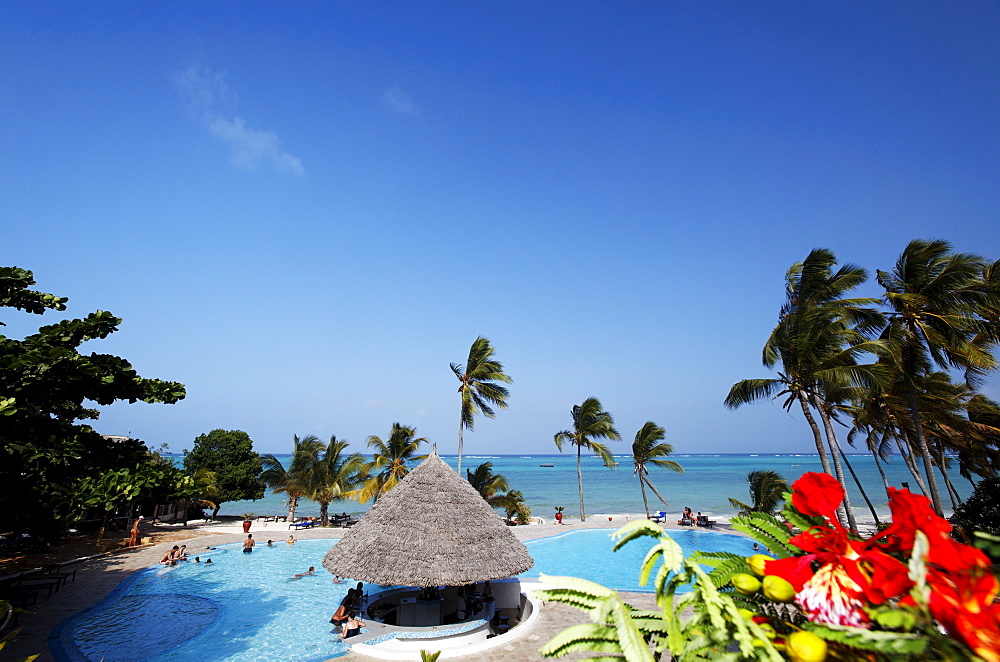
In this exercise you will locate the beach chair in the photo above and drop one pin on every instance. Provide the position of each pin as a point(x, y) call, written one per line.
point(659, 517)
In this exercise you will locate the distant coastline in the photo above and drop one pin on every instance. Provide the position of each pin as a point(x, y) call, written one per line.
point(709, 481)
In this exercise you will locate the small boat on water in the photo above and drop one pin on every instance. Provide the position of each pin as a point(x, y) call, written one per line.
point(547, 465)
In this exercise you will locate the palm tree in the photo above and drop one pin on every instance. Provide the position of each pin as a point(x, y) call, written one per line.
point(205, 480)
point(334, 476)
point(478, 388)
point(293, 480)
point(515, 505)
point(490, 486)
point(818, 339)
point(590, 422)
point(649, 448)
point(390, 460)
point(767, 490)
point(937, 301)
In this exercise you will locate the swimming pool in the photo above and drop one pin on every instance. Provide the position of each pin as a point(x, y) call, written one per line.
point(588, 554)
point(239, 608)
point(247, 607)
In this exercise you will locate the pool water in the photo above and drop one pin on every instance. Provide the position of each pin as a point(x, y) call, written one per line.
point(241, 607)
point(247, 607)
point(589, 554)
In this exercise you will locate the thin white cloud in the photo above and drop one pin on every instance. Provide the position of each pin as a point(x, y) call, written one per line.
point(249, 148)
point(398, 102)
point(205, 93)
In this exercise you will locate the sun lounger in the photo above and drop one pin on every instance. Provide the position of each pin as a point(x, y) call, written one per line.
point(301, 525)
point(660, 517)
point(684, 521)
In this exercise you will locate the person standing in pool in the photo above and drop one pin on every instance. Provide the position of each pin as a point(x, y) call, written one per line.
point(248, 544)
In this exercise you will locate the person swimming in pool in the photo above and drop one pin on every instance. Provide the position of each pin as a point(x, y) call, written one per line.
point(291, 540)
point(310, 571)
point(248, 544)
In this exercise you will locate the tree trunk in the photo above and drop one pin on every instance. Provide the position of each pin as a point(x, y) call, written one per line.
point(642, 486)
point(881, 471)
point(911, 464)
point(818, 439)
point(579, 480)
point(864, 495)
point(942, 463)
point(925, 452)
point(324, 517)
point(653, 487)
point(293, 503)
point(835, 450)
point(215, 511)
point(461, 426)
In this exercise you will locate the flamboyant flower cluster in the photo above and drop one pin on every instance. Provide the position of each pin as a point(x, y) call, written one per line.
point(840, 577)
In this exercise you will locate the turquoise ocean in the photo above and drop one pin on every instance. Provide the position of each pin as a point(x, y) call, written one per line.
point(706, 485)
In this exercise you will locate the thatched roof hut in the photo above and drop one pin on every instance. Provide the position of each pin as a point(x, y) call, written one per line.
point(432, 529)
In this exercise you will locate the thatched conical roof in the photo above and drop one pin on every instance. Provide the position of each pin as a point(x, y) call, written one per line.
point(432, 529)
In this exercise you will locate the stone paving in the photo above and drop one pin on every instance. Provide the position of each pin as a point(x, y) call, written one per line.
point(96, 578)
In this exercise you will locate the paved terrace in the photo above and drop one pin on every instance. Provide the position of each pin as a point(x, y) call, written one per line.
point(97, 577)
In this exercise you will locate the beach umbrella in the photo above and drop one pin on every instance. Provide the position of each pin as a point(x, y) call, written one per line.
point(432, 529)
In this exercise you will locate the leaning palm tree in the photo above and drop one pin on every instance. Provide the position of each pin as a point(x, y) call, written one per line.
point(478, 388)
point(333, 477)
point(649, 448)
point(817, 341)
point(767, 491)
point(590, 422)
point(490, 486)
point(390, 460)
point(293, 479)
point(937, 301)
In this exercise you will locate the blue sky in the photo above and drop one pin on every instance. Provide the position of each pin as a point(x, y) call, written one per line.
point(305, 211)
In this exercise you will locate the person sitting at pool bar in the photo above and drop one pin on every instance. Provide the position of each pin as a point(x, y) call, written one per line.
point(352, 627)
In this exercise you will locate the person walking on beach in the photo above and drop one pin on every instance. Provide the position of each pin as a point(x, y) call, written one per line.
point(248, 544)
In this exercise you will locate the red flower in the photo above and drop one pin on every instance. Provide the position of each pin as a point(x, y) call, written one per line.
point(838, 575)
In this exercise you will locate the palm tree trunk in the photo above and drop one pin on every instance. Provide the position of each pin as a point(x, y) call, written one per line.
point(653, 487)
point(324, 517)
point(461, 427)
point(645, 505)
point(925, 453)
point(293, 503)
point(911, 465)
point(943, 467)
point(579, 480)
point(831, 440)
point(864, 495)
point(817, 437)
point(818, 440)
point(881, 470)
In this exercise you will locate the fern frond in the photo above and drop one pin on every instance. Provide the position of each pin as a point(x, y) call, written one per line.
point(586, 638)
point(871, 640)
point(769, 531)
point(635, 530)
